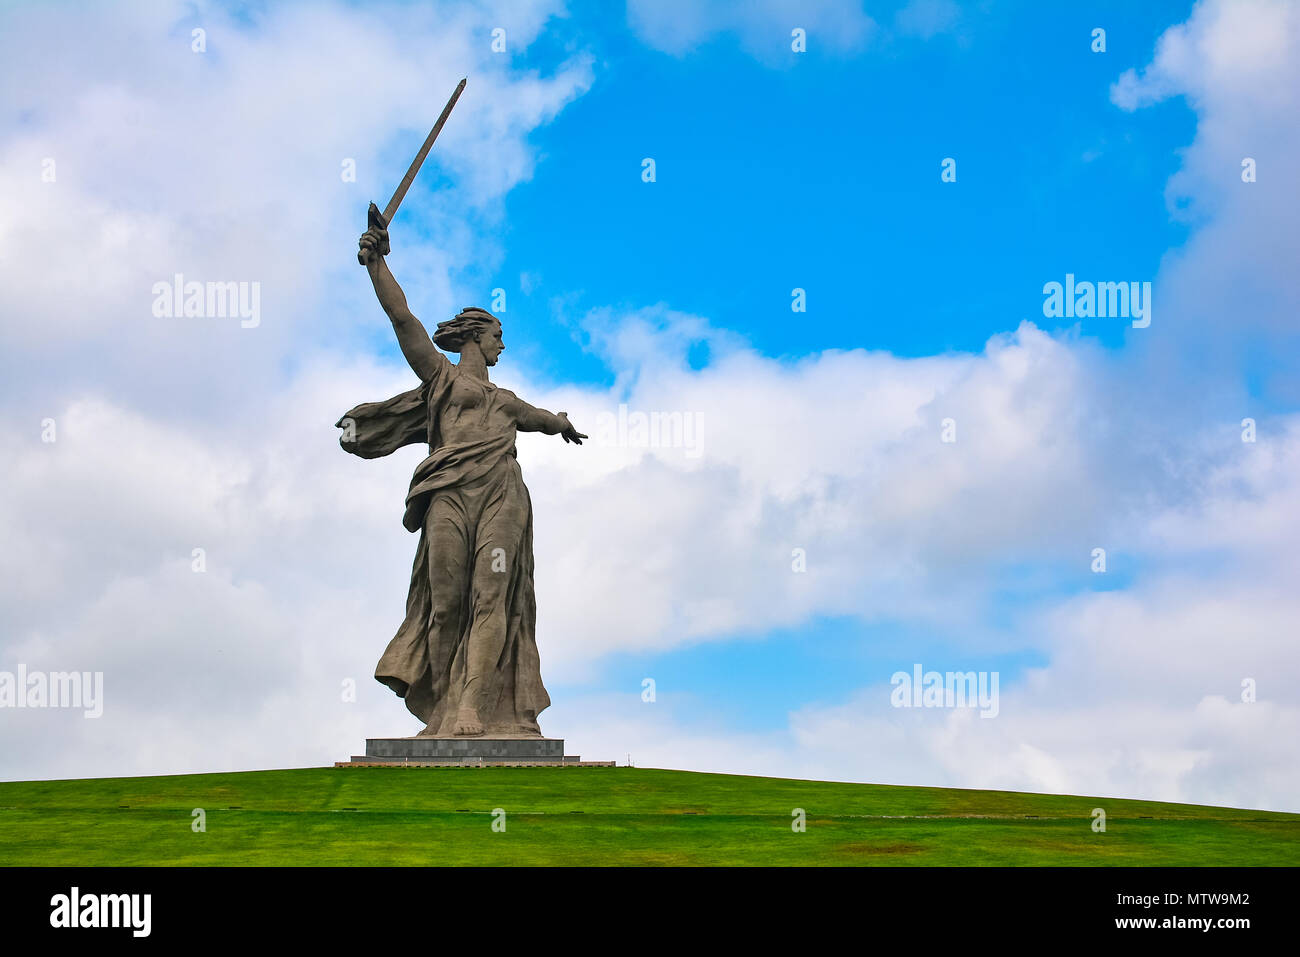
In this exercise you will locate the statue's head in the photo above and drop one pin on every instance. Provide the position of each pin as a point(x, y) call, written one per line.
point(471, 325)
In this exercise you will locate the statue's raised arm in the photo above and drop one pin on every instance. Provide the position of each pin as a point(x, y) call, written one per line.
point(413, 338)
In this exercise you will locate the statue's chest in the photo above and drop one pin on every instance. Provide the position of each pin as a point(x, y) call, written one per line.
point(467, 394)
point(470, 403)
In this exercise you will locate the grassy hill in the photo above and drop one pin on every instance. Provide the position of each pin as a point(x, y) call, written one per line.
point(438, 816)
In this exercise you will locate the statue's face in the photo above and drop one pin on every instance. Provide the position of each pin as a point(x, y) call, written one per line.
point(490, 342)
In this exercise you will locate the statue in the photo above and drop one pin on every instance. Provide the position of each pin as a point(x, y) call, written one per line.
point(465, 658)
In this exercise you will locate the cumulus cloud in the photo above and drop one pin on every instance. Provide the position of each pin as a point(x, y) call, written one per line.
point(1232, 289)
point(229, 165)
point(643, 547)
point(1181, 685)
point(129, 156)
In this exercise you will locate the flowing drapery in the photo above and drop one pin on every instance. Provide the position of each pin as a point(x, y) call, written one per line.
point(472, 579)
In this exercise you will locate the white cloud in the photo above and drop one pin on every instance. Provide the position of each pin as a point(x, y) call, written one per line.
point(649, 548)
point(176, 434)
point(227, 166)
point(1232, 290)
point(1142, 695)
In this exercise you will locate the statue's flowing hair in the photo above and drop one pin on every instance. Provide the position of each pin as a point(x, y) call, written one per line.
point(468, 324)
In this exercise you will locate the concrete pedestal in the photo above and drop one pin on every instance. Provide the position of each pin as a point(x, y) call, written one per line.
point(473, 752)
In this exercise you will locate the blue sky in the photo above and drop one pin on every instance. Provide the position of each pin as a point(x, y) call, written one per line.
point(823, 172)
point(821, 430)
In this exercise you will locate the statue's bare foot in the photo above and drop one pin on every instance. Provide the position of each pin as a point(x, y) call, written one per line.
point(467, 724)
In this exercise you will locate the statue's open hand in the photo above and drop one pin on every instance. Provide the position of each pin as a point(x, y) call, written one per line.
point(568, 432)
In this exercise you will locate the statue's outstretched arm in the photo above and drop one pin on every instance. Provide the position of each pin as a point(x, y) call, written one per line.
point(413, 338)
point(529, 418)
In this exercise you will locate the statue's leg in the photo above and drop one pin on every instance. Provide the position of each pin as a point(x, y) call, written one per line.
point(496, 560)
point(449, 578)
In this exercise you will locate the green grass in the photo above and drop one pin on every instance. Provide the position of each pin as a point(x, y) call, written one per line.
point(437, 816)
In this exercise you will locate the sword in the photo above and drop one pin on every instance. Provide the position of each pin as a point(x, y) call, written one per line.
point(373, 216)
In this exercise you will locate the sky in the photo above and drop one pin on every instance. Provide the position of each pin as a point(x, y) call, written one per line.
point(834, 263)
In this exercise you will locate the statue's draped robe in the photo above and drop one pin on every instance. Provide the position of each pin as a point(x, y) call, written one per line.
point(469, 503)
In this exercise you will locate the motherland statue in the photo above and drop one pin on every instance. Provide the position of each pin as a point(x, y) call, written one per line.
point(465, 658)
